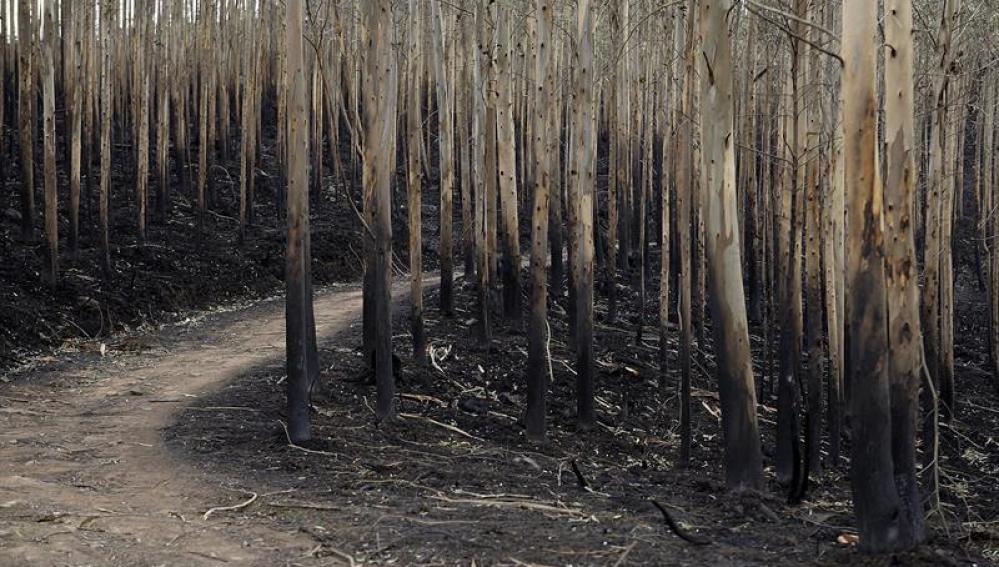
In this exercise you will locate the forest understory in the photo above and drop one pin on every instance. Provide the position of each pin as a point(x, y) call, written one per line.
point(627, 282)
point(178, 271)
point(454, 479)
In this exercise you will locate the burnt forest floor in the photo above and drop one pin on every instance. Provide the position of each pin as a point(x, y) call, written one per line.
point(453, 479)
point(180, 269)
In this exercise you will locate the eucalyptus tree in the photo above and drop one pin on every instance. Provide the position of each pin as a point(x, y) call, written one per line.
point(537, 331)
point(583, 177)
point(445, 126)
point(414, 180)
point(302, 363)
point(876, 502)
point(904, 329)
point(49, 138)
point(25, 116)
point(380, 102)
point(743, 457)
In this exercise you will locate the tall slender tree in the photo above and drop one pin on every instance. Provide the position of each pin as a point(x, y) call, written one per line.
point(743, 457)
point(537, 332)
point(25, 116)
point(904, 330)
point(379, 118)
point(507, 147)
point(414, 141)
point(445, 128)
point(300, 324)
point(876, 503)
point(49, 137)
point(107, 108)
point(584, 133)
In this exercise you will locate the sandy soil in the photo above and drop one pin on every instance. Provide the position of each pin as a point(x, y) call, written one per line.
point(85, 478)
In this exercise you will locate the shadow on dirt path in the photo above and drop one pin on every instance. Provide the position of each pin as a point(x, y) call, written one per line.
point(85, 476)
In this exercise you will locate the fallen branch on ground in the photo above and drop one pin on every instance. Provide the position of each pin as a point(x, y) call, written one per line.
point(522, 504)
point(451, 428)
point(680, 532)
point(299, 447)
point(303, 505)
point(239, 506)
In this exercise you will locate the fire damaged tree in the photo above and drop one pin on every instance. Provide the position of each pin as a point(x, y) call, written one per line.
point(49, 137)
point(904, 330)
point(743, 457)
point(379, 120)
point(507, 159)
point(537, 333)
point(302, 363)
point(107, 106)
point(876, 502)
point(414, 184)
point(445, 125)
point(25, 117)
point(584, 133)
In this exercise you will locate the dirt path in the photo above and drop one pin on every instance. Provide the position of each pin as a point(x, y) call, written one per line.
point(85, 478)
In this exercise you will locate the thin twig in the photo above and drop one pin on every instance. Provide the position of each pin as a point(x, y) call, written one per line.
point(451, 428)
point(239, 506)
point(300, 448)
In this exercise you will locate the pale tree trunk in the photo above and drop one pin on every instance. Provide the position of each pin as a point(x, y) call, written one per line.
point(463, 104)
point(937, 182)
point(25, 117)
point(507, 147)
point(163, 120)
point(481, 151)
point(107, 106)
point(207, 12)
point(76, 117)
point(935, 246)
point(617, 181)
point(415, 183)
point(834, 264)
point(445, 127)
point(142, 63)
point(906, 353)
point(788, 462)
point(684, 197)
point(875, 500)
point(555, 229)
point(954, 181)
point(379, 118)
point(537, 334)
point(623, 165)
point(743, 458)
point(49, 136)
point(247, 124)
point(649, 141)
point(583, 177)
point(490, 96)
point(987, 225)
point(813, 236)
point(302, 365)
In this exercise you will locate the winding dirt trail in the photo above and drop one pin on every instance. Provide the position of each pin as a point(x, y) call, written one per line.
point(85, 476)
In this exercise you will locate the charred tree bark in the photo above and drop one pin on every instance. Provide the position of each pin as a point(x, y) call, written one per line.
point(414, 140)
point(584, 133)
point(300, 325)
point(904, 330)
point(876, 503)
point(743, 457)
point(445, 127)
point(537, 334)
point(379, 116)
point(49, 136)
